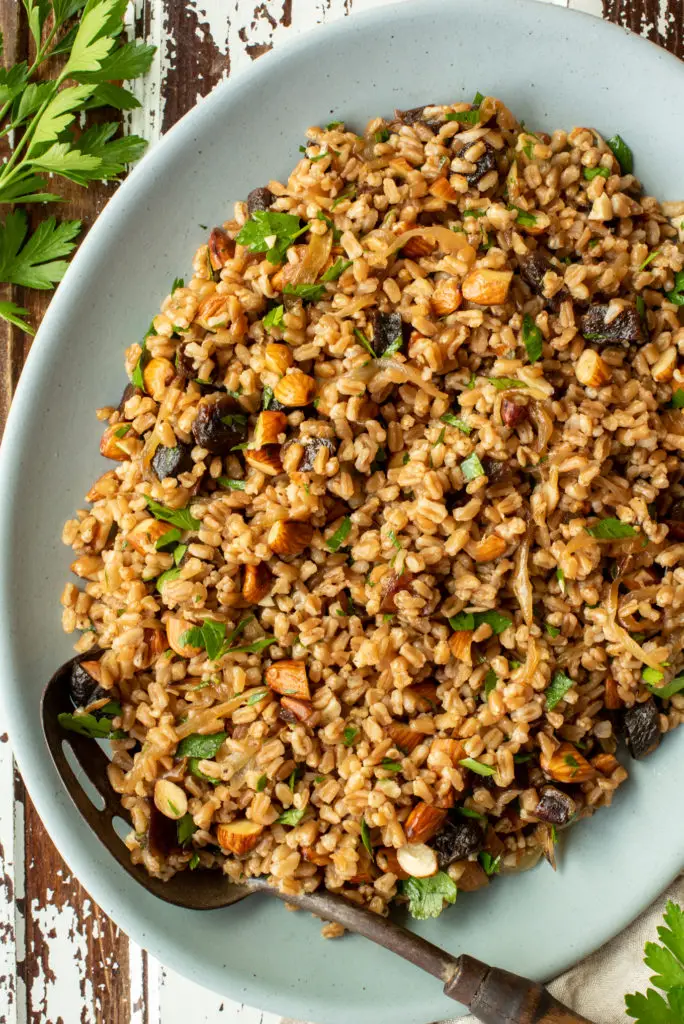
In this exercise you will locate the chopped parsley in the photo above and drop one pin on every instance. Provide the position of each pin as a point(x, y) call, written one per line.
point(553, 631)
point(649, 259)
point(532, 338)
point(365, 837)
point(181, 517)
point(471, 620)
point(501, 383)
point(381, 136)
point(338, 268)
point(255, 698)
point(596, 172)
point(291, 817)
point(490, 864)
point(262, 782)
point(167, 539)
point(558, 687)
point(677, 293)
point(185, 829)
point(652, 676)
point(349, 735)
point(560, 576)
point(528, 220)
point(666, 963)
point(89, 725)
point(348, 193)
point(230, 484)
point(272, 233)
point(464, 117)
point(122, 431)
point(440, 439)
point(305, 292)
point(467, 813)
point(427, 896)
point(203, 747)
point(474, 213)
point(166, 577)
point(274, 317)
point(361, 337)
point(665, 692)
point(622, 153)
point(137, 378)
point(211, 636)
point(179, 554)
point(389, 765)
point(472, 467)
point(678, 399)
point(477, 766)
point(340, 535)
point(454, 421)
point(611, 529)
point(194, 861)
point(490, 682)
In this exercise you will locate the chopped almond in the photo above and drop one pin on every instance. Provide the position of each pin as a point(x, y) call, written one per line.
point(405, 739)
point(289, 537)
point(612, 698)
point(289, 679)
point(266, 460)
point(105, 486)
point(118, 442)
point(221, 248)
point(145, 534)
point(473, 878)
point(87, 567)
point(239, 837)
point(270, 425)
point(446, 298)
point(417, 247)
point(278, 358)
point(566, 764)
point(257, 582)
point(605, 763)
point(296, 389)
point(157, 376)
point(459, 645)
point(321, 860)
point(301, 710)
point(424, 822)
point(442, 188)
point(443, 749)
point(488, 549)
point(487, 287)
point(425, 694)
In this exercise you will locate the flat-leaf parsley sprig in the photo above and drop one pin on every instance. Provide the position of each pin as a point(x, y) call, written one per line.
point(667, 963)
point(85, 60)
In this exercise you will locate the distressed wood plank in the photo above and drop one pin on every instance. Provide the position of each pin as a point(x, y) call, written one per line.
point(9, 894)
point(661, 21)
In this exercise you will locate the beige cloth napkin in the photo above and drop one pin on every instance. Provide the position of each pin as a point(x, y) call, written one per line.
point(597, 986)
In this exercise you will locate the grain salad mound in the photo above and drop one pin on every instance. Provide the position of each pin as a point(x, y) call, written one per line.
point(392, 549)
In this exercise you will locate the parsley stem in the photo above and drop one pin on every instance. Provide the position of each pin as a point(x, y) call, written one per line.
point(26, 138)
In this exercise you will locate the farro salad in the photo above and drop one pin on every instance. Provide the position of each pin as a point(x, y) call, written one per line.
point(391, 552)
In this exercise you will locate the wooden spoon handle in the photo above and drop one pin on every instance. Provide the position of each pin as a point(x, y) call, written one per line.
point(499, 997)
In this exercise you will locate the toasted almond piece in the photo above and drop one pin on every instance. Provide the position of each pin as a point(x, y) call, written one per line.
point(417, 247)
point(605, 763)
point(221, 248)
point(93, 669)
point(445, 800)
point(405, 739)
point(157, 376)
point(296, 389)
point(386, 859)
point(302, 710)
point(175, 627)
point(145, 534)
point(591, 370)
point(446, 298)
point(289, 537)
point(270, 425)
point(321, 860)
point(212, 312)
point(105, 486)
point(612, 698)
point(156, 644)
point(443, 189)
point(239, 836)
point(400, 166)
point(459, 645)
point(266, 460)
point(87, 567)
point(664, 367)
point(288, 678)
point(566, 764)
point(418, 860)
point(445, 752)
point(257, 582)
point(487, 287)
point(170, 799)
point(474, 877)
point(118, 448)
point(425, 694)
point(423, 822)
point(488, 548)
point(278, 358)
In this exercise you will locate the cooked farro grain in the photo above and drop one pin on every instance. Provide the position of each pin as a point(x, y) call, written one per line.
point(392, 549)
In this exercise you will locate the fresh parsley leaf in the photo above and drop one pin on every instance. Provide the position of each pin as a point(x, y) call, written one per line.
point(528, 220)
point(230, 484)
point(611, 529)
point(338, 268)
point(532, 338)
point(349, 735)
point(596, 172)
point(666, 960)
point(471, 620)
point(467, 813)
point(678, 399)
point(553, 631)
point(501, 383)
point(649, 259)
point(272, 233)
point(13, 314)
point(472, 467)
point(254, 648)
point(291, 817)
point(35, 263)
point(677, 294)
point(490, 864)
point(394, 346)
point(170, 574)
point(389, 765)
point(454, 421)
point(477, 99)
point(267, 397)
point(465, 117)
point(440, 439)
point(86, 725)
point(255, 698)
point(204, 747)
point(274, 317)
point(667, 691)
point(490, 682)
point(348, 193)
point(262, 782)
point(652, 676)
point(622, 153)
point(179, 553)
point(474, 213)
point(338, 538)
point(194, 861)
point(364, 341)
point(521, 758)
point(477, 766)
point(210, 636)
point(558, 687)
point(194, 769)
point(185, 828)
point(365, 837)
point(167, 539)
point(560, 576)
point(427, 896)
point(181, 517)
point(305, 292)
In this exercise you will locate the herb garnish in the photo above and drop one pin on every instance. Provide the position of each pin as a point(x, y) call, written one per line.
point(166, 577)
point(167, 539)
point(365, 837)
point(339, 536)
point(471, 620)
point(338, 268)
point(272, 233)
point(305, 292)
point(490, 682)
point(472, 467)
point(262, 782)
point(667, 691)
point(230, 484)
point(490, 864)
point(527, 220)
point(364, 341)
point(677, 293)
point(465, 117)
point(274, 317)
point(185, 829)
point(501, 383)
point(610, 529)
point(553, 631)
point(211, 636)
point(350, 734)
point(454, 421)
point(532, 338)
point(667, 963)
point(477, 766)
point(678, 399)
point(181, 517)
point(467, 813)
point(622, 153)
point(291, 817)
point(560, 576)
point(389, 765)
point(203, 747)
point(558, 687)
point(427, 896)
point(596, 172)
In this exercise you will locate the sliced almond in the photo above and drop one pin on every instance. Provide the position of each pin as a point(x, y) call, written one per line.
point(566, 764)
point(270, 425)
point(289, 537)
point(221, 248)
point(157, 376)
point(289, 679)
point(170, 799)
point(446, 298)
point(605, 763)
point(301, 710)
point(266, 460)
point(442, 188)
point(175, 628)
point(488, 549)
point(417, 247)
point(487, 287)
point(591, 370)
point(257, 583)
point(278, 358)
point(145, 534)
point(445, 752)
point(424, 822)
point(612, 699)
point(425, 694)
point(296, 389)
point(460, 643)
point(118, 442)
point(212, 312)
point(239, 837)
point(418, 860)
point(405, 739)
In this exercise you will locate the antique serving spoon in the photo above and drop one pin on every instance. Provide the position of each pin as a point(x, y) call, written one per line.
point(492, 995)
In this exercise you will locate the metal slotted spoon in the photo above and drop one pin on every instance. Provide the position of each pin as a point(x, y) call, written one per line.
point(492, 995)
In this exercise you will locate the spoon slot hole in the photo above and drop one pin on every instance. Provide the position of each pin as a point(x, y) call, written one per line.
point(121, 827)
point(95, 797)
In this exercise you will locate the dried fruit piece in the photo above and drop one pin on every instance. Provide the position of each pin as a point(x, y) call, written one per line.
point(405, 739)
point(220, 424)
point(387, 861)
point(418, 860)
point(157, 376)
point(457, 840)
point(289, 537)
point(257, 582)
point(278, 358)
point(296, 709)
point(221, 248)
point(269, 425)
point(321, 860)
point(175, 627)
point(642, 728)
point(388, 330)
point(442, 188)
point(84, 683)
point(612, 699)
point(487, 287)
point(289, 679)
point(566, 764)
point(390, 587)
point(266, 460)
point(172, 461)
point(418, 247)
point(591, 370)
point(259, 199)
point(424, 822)
point(483, 165)
point(239, 837)
point(170, 799)
point(554, 806)
point(513, 412)
point(625, 328)
point(295, 390)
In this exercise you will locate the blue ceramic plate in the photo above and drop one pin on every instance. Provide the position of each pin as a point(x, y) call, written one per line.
point(554, 69)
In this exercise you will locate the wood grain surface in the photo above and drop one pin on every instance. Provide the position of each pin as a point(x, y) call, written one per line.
point(62, 961)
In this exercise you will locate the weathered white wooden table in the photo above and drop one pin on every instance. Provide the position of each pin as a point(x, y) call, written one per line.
point(62, 960)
